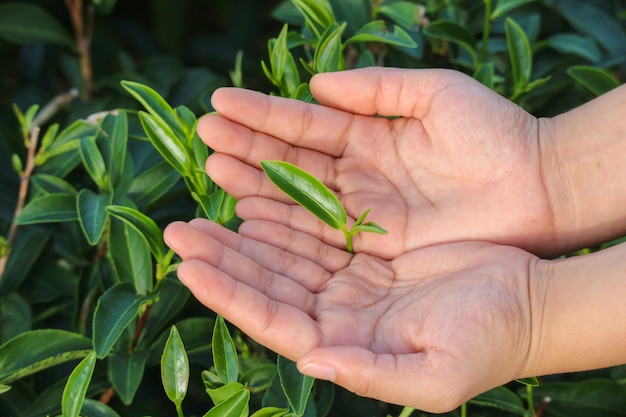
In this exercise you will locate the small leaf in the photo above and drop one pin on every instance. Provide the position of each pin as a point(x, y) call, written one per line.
point(175, 368)
point(25, 23)
point(36, 350)
point(76, 386)
point(92, 215)
point(519, 52)
point(404, 13)
point(377, 31)
point(126, 370)
point(51, 184)
point(49, 208)
point(533, 381)
point(597, 80)
point(485, 74)
point(307, 191)
point(165, 141)
point(505, 6)
point(115, 310)
point(329, 53)
point(453, 32)
point(235, 406)
point(144, 225)
point(370, 227)
point(297, 387)
point(270, 412)
point(225, 357)
point(93, 162)
point(4, 388)
point(152, 184)
point(116, 128)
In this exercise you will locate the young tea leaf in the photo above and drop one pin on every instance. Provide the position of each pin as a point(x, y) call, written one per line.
point(92, 215)
point(297, 387)
point(175, 368)
point(519, 52)
point(307, 191)
point(76, 386)
point(225, 356)
point(142, 224)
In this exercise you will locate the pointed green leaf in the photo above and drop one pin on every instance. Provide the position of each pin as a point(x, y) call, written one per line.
point(505, 6)
point(369, 227)
point(270, 412)
point(453, 32)
point(597, 80)
point(24, 23)
point(129, 252)
point(15, 315)
point(224, 392)
point(165, 141)
point(153, 184)
point(318, 14)
point(76, 386)
point(157, 107)
point(92, 215)
point(116, 129)
point(126, 372)
point(144, 225)
point(4, 388)
point(93, 162)
point(378, 31)
point(519, 52)
point(175, 368)
point(173, 296)
point(533, 381)
point(235, 406)
point(49, 208)
point(501, 398)
point(404, 13)
point(115, 310)
point(94, 408)
point(297, 387)
point(307, 191)
point(36, 350)
point(51, 184)
point(225, 357)
point(485, 74)
point(329, 53)
point(575, 44)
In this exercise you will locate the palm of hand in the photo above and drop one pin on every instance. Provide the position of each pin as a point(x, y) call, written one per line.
point(450, 314)
point(462, 163)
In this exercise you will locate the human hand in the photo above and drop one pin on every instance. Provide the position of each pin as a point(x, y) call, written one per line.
point(429, 329)
point(462, 163)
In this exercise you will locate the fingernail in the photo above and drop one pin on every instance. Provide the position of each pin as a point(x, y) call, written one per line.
point(319, 371)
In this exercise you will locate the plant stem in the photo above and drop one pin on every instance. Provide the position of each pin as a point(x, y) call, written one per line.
point(406, 412)
point(21, 197)
point(486, 32)
point(179, 410)
point(531, 405)
point(464, 410)
point(83, 31)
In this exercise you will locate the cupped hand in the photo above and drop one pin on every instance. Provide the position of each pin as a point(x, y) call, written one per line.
point(429, 329)
point(436, 155)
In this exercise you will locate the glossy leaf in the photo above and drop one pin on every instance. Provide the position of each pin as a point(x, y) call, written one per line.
point(36, 350)
point(533, 381)
point(329, 52)
point(49, 208)
point(270, 412)
point(317, 14)
point(173, 296)
point(307, 191)
point(76, 386)
point(25, 23)
point(235, 406)
point(501, 398)
point(378, 31)
point(505, 6)
point(485, 74)
point(152, 184)
point(15, 315)
point(130, 254)
point(225, 357)
point(453, 32)
point(51, 184)
point(519, 52)
point(597, 80)
point(126, 371)
point(92, 215)
point(94, 162)
point(142, 224)
point(116, 309)
point(575, 44)
point(224, 392)
point(165, 141)
point(115, 128)
point(404, 13)
point(26, 250)
point(297, 387)
point(175, 368)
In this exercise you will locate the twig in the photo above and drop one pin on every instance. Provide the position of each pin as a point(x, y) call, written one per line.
point(53, 107)
point(83, 29)
point(21, 197)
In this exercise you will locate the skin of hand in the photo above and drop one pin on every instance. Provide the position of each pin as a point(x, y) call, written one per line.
point(429, 329)
point(459, 162)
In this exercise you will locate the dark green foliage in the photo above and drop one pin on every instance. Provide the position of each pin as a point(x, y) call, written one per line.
point(100, 124)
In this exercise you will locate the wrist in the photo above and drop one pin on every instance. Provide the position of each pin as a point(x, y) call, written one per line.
point(578, 319)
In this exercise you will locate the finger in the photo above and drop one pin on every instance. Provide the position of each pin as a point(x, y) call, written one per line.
point(284, 328)
point(290, 215)
point(383, 91)
point(246, 148)
point(403, 379)
point(246, 261)
point(320, 254)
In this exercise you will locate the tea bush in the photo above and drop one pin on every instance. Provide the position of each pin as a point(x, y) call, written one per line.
point(98, 150)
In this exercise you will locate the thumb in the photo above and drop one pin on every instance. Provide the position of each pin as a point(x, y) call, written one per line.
point(383, 91)
point(406, 379)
